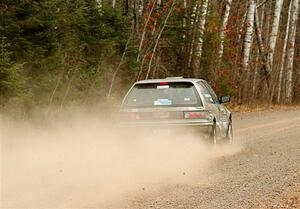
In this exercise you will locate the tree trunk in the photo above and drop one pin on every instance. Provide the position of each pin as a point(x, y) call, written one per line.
point(193, 21)
point(291, 50)
point(262, 16)
point(200, 32)
point(223, 27)
point(255, 74)
point(247, 49)
point(267, 23)
point(283, 55)
point(125, 7)
point(184, 18)
point(260, 42)
point(274, 32)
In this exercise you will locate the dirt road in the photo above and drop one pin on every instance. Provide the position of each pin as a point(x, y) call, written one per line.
point(264, 170)
point(78, 166)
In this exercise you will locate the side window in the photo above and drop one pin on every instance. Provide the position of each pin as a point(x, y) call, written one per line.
point(213, 94)
point(205, 92)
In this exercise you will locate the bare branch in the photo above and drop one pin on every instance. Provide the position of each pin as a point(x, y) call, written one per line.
point(158, 38)
point(261, 4)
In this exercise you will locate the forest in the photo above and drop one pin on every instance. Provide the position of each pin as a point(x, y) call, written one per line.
point(61, 52)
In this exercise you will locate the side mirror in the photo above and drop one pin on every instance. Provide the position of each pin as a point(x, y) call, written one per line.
point(224, 99)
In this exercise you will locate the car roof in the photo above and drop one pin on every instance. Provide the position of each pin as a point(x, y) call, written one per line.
point(169, 79)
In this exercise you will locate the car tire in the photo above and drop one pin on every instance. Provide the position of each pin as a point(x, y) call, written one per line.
point(213, 134)
point(229, 134)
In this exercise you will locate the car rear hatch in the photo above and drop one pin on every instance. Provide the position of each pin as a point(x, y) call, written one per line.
point(170, 103)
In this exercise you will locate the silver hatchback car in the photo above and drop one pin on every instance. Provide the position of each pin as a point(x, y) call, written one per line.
point(178, 102)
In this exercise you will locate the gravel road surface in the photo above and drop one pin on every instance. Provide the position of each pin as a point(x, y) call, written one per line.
point(79, 165)
point(266, 168)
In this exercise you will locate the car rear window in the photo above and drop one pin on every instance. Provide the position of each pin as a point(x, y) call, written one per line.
point(175, 94)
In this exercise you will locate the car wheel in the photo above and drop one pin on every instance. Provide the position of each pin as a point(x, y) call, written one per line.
point(213, 134)
point(229, 134)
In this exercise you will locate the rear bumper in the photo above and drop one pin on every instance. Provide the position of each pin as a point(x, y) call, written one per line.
point(174, 126)
point(164, 124)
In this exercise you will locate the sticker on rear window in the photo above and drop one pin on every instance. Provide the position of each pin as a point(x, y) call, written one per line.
point(163, 87)
point(163, 102)
point(187, 99)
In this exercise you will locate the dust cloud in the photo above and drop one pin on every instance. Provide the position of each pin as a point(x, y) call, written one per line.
point(85, 161)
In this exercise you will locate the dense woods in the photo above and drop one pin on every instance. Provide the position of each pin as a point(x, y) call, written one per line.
point(57, 52)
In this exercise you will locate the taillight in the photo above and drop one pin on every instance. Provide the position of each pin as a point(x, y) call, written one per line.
point(164, 83)
point(132, 116)
point(197, 115)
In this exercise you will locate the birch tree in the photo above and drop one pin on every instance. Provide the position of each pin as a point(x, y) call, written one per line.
point(193, 22)
point(274, 32)
point(283, 55)
point(224, 26)
point(247, 50)
point(259, 34)
point(291, 50)
point(261, 48)
point(249, 35)
point(260, 52)
point(200, 32)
